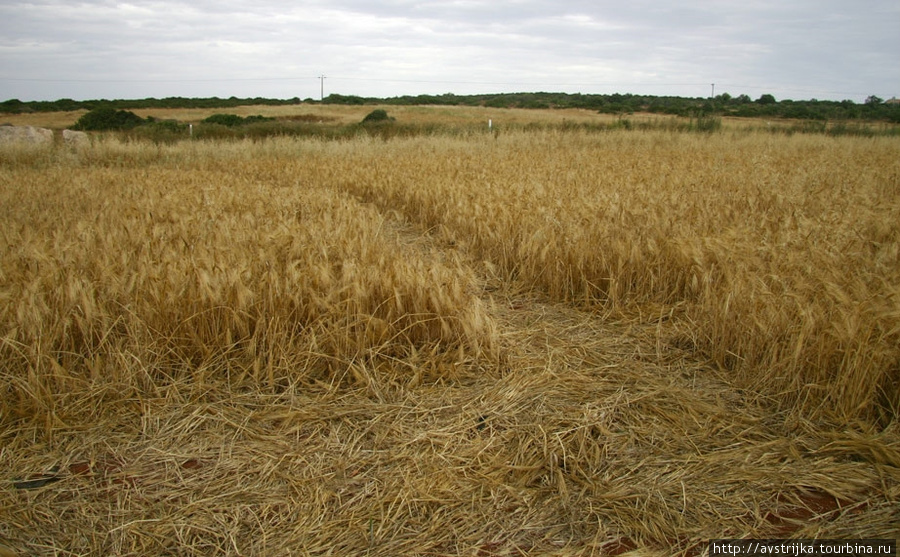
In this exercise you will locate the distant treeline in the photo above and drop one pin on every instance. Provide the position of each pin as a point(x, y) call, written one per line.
point(15, 106)
point(766, 105)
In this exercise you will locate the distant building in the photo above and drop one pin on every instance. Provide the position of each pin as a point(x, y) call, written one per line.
point(892, 100)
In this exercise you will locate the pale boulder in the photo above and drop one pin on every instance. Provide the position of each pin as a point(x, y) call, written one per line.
point(25, 134)
point(73, 138)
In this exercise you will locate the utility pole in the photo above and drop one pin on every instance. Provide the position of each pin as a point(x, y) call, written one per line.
point(322, 87)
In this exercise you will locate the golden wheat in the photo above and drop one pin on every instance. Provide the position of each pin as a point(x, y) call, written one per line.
point(544, 342)
point(181, 266)
point(780, 253)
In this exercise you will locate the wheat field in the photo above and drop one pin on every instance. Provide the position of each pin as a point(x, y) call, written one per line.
point(536, 341)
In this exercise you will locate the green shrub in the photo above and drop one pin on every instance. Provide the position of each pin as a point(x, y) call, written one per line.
point(232, 120)
point(377, 115)
point(102, 119)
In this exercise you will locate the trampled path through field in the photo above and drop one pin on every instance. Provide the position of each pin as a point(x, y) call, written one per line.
point(632, 440)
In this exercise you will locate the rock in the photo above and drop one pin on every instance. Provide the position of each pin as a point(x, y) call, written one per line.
point(75, 139)
point(25, 134)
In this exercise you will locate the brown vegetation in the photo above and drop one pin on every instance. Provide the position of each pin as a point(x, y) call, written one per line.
point(537, 342)
point(778, 258)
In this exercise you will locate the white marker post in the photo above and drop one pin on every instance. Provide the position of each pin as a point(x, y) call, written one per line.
point(490, 124)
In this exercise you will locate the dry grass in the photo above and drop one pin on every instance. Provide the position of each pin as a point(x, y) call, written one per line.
point(422, 115)
point(53, 120)
point(538, 343)
point(348, 114)
point(780, 257)
point(191, 266)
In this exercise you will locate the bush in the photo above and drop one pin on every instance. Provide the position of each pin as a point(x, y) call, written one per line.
point(230, 120)
point(257, 118)
point(102, 119)
point(233, 120)
point(377, 115)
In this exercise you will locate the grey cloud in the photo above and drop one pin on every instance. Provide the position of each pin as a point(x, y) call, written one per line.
point(400, 46)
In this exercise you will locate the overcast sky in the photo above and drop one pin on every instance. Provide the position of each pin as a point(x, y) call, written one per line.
point(797, 49)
